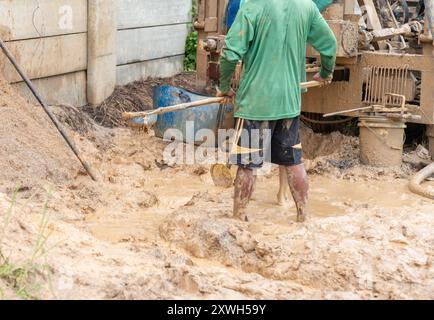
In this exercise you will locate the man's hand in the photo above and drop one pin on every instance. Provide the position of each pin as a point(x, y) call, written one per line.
point(228, 96)
point(317, 77)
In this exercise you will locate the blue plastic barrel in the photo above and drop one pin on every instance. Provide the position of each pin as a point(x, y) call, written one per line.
point(212, 117)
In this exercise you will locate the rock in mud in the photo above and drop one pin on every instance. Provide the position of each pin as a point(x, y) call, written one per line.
point(149, 200)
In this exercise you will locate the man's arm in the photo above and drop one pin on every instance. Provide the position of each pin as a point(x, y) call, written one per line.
point(237, 43)
point(323, 40)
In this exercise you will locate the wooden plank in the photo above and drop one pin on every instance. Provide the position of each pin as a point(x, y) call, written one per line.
point(221, 13)
point(139, 13)
point(212, 8)
point(374, 20)
point(46, 57)
point(26, 19)
point(165, 67)
point(63, 89)
point(211, 19)
point(136, 45)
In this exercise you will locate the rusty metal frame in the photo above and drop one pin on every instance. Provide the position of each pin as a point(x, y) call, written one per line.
point(423, 63)
point(340, 95)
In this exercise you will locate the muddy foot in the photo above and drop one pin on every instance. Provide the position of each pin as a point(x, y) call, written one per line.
point(301, 217)
point(242, 216)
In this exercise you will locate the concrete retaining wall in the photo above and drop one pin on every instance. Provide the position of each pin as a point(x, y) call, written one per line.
point(77, 50)
point(151, 37)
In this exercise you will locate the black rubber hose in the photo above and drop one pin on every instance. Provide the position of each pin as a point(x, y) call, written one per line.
point(416, 181)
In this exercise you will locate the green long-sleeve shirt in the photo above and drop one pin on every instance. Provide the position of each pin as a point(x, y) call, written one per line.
point(270, 37)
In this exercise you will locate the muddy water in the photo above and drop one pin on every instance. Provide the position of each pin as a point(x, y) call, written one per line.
point(348, 214)
point(328, 197)
point(141, 224)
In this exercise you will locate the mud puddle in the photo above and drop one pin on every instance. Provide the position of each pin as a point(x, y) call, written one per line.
point(328, 198)
point(141, 224)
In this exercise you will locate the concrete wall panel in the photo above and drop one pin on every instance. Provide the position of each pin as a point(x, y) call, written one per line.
point(46, 57)
point(146, 13)
point(64, 89)
point(25, 19)
point(62, 45)
point(136, 45)
point(165, 67)
point(101, 54)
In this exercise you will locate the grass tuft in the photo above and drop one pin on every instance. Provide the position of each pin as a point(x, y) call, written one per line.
point(21, 277)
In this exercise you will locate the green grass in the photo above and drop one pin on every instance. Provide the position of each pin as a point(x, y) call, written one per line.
point(21, 276)
point(17, 277)
point(190, 52)
point(191, 42)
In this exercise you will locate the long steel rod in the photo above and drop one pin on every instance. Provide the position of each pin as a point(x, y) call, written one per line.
point(347, 111)
point(38, 97)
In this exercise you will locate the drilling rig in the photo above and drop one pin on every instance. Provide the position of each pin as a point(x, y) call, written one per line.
point(385, 60)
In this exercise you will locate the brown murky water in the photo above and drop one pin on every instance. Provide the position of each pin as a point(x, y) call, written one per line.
point(328, 197)
point(143, 225)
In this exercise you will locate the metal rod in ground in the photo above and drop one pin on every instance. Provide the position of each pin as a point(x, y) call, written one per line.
point(53, 118)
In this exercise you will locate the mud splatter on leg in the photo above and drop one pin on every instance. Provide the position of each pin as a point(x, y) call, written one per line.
point(244, 185)
point(299, 185)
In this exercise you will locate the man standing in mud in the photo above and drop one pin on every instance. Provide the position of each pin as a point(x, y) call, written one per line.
point(270, 37)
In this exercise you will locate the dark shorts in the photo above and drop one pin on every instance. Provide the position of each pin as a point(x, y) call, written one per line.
point(275, 141)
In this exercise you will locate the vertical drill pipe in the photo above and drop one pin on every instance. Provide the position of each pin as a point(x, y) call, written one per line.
point(47, 111)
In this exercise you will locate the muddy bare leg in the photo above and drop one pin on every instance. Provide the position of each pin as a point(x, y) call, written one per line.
point(244, 184)
point(299, 185)
point(284, 194)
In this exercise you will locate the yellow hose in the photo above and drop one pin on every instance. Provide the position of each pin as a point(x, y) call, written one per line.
point(416, 181)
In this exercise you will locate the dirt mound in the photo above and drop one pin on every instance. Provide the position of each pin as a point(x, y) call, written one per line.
point(75, 119)
point(369, 252)
point(338, 155)
point(32, 151)
point(318, 145)
point(133, 97)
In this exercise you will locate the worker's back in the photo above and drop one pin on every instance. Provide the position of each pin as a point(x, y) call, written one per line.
point(270, 37)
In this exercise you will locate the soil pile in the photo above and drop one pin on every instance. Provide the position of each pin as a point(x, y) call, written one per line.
point(32, 151)
point(135, 96)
